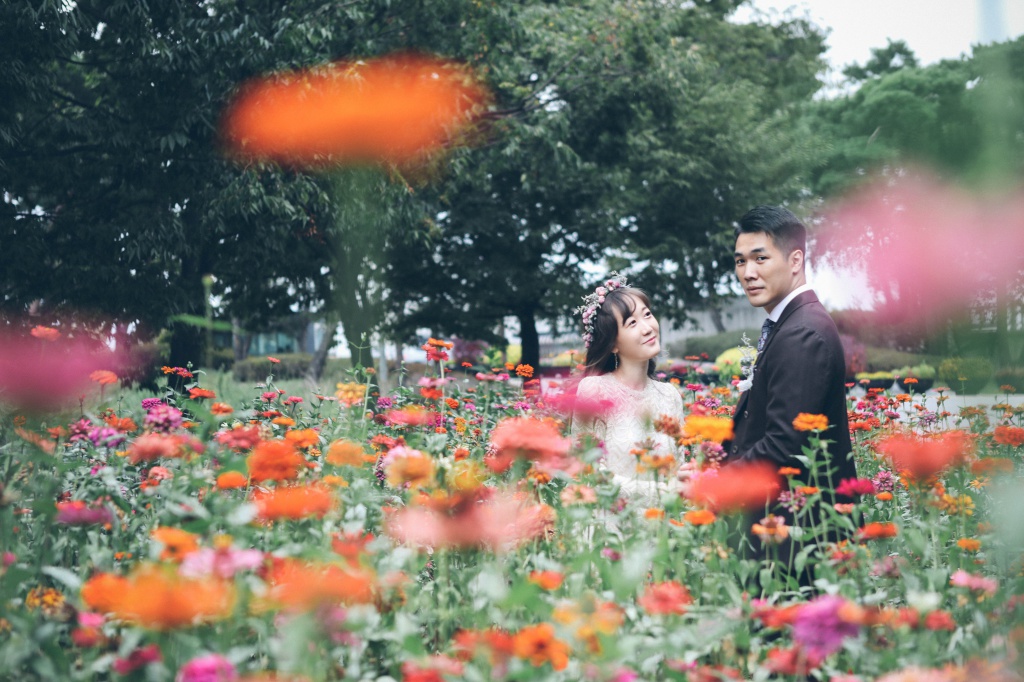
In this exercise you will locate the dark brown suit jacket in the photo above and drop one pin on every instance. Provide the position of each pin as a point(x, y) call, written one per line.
point(800, 369)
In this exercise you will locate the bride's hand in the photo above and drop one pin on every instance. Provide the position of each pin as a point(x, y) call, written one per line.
point(685, 473)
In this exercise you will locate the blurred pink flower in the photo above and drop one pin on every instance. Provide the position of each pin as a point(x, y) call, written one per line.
point(819, 627)
point(962, 578)
point(209, 668)
point(927, 248)
point(78, 513)
point(223, 563)
point(41, 375)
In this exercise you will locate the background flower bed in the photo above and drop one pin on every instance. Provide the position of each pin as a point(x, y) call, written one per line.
point(411, 536)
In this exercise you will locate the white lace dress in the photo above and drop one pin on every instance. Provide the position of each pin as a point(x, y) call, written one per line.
point(629, 422)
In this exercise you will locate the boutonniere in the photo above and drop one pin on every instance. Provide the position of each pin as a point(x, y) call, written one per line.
point(747, 358)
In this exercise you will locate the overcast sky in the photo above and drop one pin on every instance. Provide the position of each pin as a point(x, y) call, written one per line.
point(934, 29)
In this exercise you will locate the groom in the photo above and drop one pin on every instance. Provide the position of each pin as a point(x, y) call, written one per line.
point(800, 366)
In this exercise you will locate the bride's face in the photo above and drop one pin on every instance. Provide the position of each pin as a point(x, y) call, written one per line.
point(638, 337)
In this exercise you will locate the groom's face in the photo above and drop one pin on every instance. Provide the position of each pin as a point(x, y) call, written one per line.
point(766, 274)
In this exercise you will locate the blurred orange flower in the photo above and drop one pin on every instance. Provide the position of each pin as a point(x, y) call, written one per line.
point(876, 531)
point(45, 333)
point(538, 645)
point(735, 487)
point(392, 110)
point(302, 438)
point(346, 453)
point(103, 377)
point(221, 409)
point(1009, 435)
point(664, 598)
point(302, 586)
point(177, 543)
point(196, 393)
point(547, 580)
point(717, 429)
point(699, 517)
point(274, 460)
point(810, 422)
point(159, 598)
point(295, 502)
point(232, 479)
point(924, 456)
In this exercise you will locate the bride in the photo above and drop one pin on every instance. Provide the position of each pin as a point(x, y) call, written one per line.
point(621, 336)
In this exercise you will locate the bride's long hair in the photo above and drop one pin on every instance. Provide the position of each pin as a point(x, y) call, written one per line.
point(600, 359)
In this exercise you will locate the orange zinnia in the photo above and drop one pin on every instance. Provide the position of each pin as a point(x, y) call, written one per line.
point(406, 466)
point(103, 377)
point(221, 409)
point(669, 597)
point(390, 110)
point(922, 457)
point(302, 438)
point(197, 393)
point(735, 487)
point(547, 580)
point(102, 591)
point(301, 586)
point(232, 479)
point(969, 544)
point(875, 531)
point(717, 429)
point(161, 599)
point(810, 422)
point(538, 645)
point(45, 333)
point(274, 461)
point(177, 543)
point(700, 517)
point(293, 502)
point(345, 453)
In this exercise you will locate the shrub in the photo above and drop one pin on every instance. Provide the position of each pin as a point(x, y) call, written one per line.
point(1010, 376)
point(880, 359)
point(965, 375)
point(919, 371)
point(713, 345)
point(729, 364)
point(292, 366)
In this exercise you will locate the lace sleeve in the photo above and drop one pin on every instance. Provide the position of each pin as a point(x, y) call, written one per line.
point(588, 392)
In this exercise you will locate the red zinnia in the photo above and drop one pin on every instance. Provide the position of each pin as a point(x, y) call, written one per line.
point(665, 598)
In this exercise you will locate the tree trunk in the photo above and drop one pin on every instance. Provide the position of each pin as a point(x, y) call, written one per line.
point(1001, 351)
point(319, 360)
point(239, 340)
point(529, 337)
point(716, 319)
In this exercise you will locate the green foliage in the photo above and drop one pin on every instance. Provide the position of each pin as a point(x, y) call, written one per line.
point(713, 345)
point(965, 375)
point(879, 358)
point(291, 366)
point(1010, 376)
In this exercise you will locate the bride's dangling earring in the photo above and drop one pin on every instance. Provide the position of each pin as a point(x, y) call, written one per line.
point(616, 356)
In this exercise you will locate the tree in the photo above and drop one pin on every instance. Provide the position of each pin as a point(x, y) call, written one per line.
point(639, 132)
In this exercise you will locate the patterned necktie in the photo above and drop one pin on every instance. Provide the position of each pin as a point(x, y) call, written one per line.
point(766, 329)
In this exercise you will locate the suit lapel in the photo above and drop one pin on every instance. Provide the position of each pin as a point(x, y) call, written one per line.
point(798, 302)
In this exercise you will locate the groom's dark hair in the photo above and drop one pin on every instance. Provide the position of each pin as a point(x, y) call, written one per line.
point(784, 228)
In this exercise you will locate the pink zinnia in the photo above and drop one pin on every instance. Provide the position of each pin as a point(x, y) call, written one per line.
point(819, 627)
point(209, 668)
point(962, 578)
point(224, 563)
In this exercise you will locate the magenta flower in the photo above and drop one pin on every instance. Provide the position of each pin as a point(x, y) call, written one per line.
point(139, 658)
point(77, 513)
point(209, 668)
point(163, 418)
point(855, 487)
point(819, 627)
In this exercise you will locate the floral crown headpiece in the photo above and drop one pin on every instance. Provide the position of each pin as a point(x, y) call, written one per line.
point(592, 303)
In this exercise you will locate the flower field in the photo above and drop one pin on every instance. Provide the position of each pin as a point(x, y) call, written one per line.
point(452, 530)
